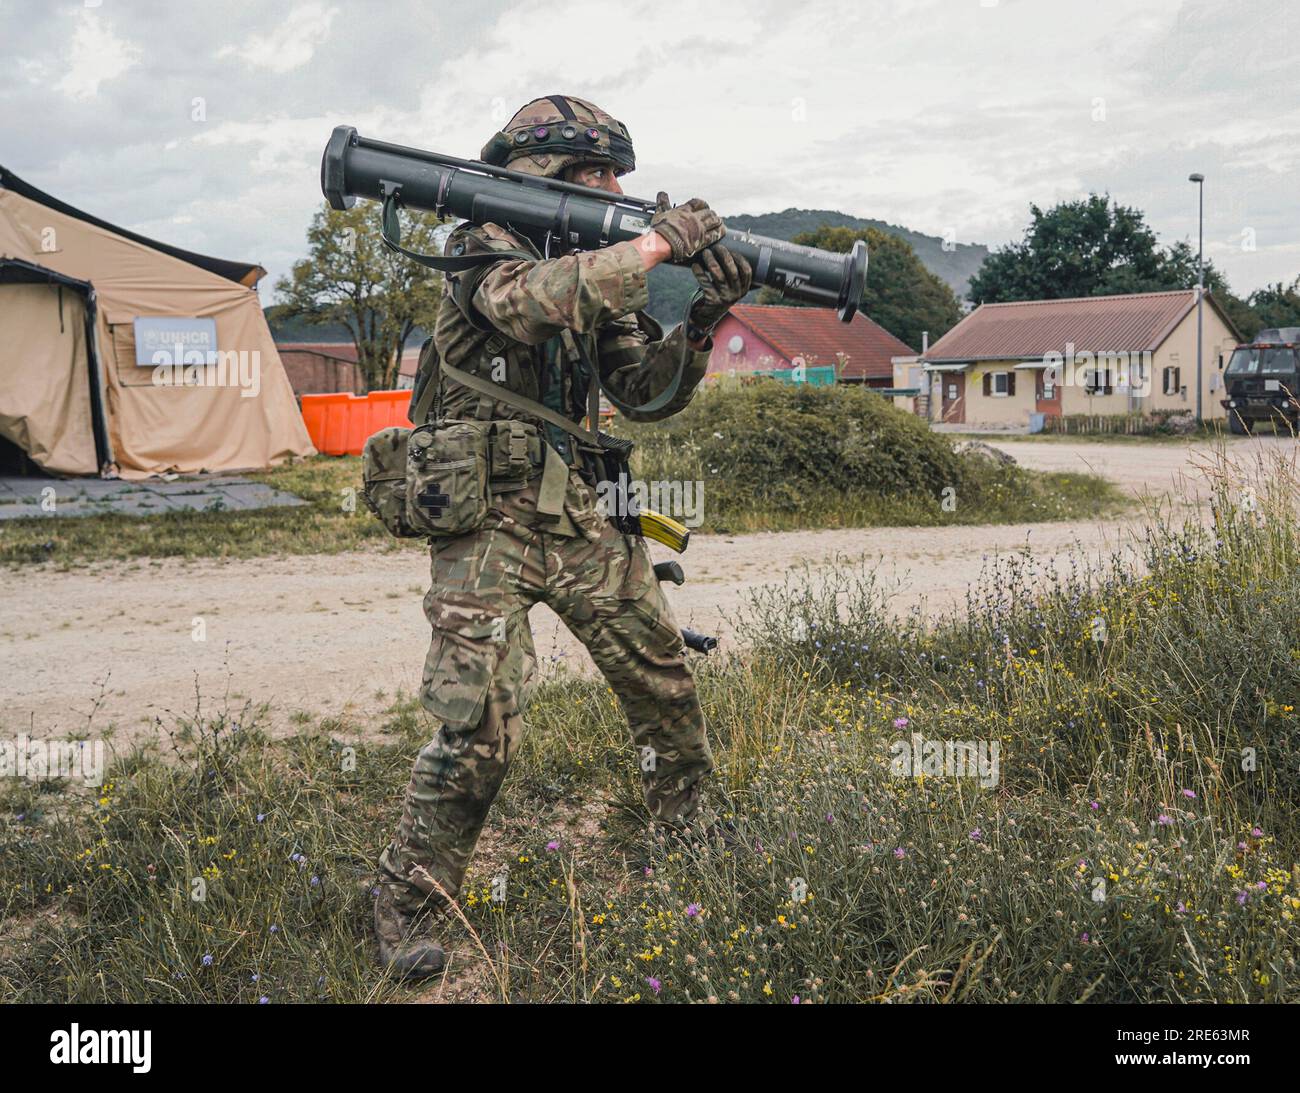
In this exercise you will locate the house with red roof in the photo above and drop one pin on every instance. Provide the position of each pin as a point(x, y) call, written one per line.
point(1133, 353)
point(757, 338)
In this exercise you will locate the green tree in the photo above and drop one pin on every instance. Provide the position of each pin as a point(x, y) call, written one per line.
point(351, 278)
point(1094, 247)
point(1276, 305)
point(901, 294)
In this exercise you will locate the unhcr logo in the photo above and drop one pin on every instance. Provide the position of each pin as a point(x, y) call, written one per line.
point(181, 367)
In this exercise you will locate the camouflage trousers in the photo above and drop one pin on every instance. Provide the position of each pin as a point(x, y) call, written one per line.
point(480, 666)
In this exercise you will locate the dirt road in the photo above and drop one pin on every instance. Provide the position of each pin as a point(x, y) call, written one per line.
point(341, 634)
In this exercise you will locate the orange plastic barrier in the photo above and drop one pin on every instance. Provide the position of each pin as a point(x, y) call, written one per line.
point(340, 424)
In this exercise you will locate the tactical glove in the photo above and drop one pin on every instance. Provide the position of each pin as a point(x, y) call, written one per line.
point(724, 279)
point(688, 228)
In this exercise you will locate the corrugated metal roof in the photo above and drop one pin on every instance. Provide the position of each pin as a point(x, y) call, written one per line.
point(1120, 324)
point(339, 351)
point(819, 337)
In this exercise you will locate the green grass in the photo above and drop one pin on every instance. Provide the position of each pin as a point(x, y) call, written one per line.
point(1138, 845)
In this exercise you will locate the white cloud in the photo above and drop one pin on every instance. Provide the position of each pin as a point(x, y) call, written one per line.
point(96, 55)
point(290, 45)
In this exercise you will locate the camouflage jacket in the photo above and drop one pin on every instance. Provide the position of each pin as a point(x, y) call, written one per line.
point(516, 322)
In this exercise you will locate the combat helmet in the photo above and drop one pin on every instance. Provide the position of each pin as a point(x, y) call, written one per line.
point(556, 131)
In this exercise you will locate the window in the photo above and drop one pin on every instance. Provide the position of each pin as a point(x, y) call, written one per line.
point(1244, 362)
point(1097, 381)
point(1172, 384)
point(1278, 362)
point(1000, 384)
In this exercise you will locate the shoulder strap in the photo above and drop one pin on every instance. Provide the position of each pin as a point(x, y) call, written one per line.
point(420, 414)
point(529, 406)
point(391, 230)
point(519, 402)
point(666, 395)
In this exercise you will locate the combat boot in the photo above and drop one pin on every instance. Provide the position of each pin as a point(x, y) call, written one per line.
point(708, 830)
point(407, 955)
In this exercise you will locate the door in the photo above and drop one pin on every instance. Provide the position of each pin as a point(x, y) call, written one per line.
point(1047, 396)
point(46, 410)
point(954, 398)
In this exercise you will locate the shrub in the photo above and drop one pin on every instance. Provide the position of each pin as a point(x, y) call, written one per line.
point(774, 443)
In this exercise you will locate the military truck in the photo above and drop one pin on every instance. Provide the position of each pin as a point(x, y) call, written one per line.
point(1262, 381)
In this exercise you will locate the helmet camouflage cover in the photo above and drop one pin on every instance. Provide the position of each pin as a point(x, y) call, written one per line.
point(555, 132)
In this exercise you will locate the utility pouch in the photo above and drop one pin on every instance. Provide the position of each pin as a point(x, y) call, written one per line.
point(383, 480)
point(515, 451)
point(447, 477)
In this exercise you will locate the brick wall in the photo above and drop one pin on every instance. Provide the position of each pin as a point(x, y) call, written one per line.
point(312, 373)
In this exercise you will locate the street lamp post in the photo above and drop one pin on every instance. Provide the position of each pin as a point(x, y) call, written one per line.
point(1199, 179)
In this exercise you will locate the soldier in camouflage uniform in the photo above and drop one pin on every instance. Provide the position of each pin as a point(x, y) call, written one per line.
point(535, 328)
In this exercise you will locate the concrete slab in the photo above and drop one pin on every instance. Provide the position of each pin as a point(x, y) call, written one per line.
point(28, 496)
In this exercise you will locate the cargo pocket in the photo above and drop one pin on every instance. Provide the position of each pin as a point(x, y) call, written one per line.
point(447, 478)
point(383, 480)
point(458, 672)
point(640, 597)
point(661, 641)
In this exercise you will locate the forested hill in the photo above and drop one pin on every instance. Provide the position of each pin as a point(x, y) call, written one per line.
point(955, 266)
point(671, 287)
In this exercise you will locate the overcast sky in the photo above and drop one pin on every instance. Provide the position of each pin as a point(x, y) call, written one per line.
point(202, 124)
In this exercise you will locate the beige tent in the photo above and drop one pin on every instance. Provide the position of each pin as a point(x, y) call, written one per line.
point(122, 354)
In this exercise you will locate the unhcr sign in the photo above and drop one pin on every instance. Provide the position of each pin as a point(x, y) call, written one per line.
point(189, 341)
point(184, 353)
